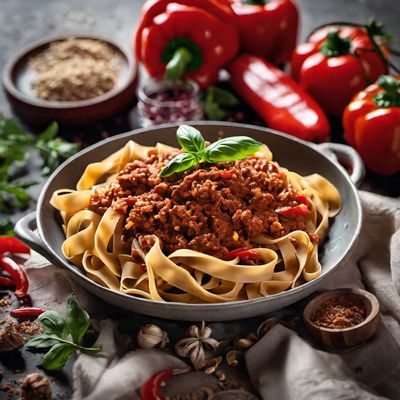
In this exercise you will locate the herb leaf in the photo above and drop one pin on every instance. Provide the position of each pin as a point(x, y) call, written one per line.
point(58, 331)
point(215, 100)
point(180, 163)
point(231, 149)
point(228, 149)
point(78, 320)
point(53, 323)
point(57, 356)
point(190, 139)
point(43, 341)
point(6, 228)
point(15, 144)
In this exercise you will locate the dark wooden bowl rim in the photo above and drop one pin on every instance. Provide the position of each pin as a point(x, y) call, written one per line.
point(10, 86)
point(316, 302)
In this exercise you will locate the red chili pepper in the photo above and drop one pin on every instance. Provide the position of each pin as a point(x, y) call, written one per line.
point(296, 211)
point(279, 100)
point(18, 275)
point(151, 388)
point(27, 312)
point(12, 245)
point(372, 125)
point(6, 282)
point(336, 63)
point(267, 28)
point(301, 198)
point(244, 253)
point(190, 38)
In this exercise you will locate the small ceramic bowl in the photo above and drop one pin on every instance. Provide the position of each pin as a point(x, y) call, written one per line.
point(344, 337)
point(18, 74)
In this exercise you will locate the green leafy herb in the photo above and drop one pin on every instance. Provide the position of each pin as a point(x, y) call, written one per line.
point(215, 102)
point(191, 140)
point(6, 227)
point(63, 335)
point(15, 145)
point(231, 149)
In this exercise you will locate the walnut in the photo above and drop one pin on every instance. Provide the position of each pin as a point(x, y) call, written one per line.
point(10, 339)
point(35, 386)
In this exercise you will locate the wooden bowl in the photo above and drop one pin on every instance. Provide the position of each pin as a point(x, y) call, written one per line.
point(344, 337)
point(17, 75)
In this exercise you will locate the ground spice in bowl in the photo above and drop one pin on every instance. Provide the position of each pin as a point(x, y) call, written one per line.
point(75, 69)
point(339, 312)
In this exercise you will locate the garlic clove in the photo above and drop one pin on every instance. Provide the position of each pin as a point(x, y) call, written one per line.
point(150, 336)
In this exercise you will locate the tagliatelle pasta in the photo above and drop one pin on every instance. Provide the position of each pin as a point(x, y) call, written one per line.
point(122, 249)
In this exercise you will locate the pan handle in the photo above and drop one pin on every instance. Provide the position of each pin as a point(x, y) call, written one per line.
point(25, 231)
point(348, 158)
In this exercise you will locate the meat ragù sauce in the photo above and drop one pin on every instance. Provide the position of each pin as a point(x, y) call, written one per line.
point(213, 209)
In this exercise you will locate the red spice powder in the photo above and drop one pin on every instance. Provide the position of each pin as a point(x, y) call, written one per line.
point(339, 312)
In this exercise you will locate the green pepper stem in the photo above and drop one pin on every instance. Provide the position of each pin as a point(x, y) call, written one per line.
point(390, 97)
point(334, 45)
point(178, 64)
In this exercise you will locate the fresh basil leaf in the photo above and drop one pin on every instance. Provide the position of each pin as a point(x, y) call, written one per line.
point(53, 323)
point(190, 139)
point(231, 149)
point(43, 341)
point(57, 356)
point(181, 162)
point(78, 320)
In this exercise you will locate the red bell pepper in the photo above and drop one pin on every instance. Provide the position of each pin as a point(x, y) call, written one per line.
point(372, 125)
point(12, 245)
point(244, 254)
point(336, 63)
point(267, 28)
point(187, 38)
point(151, 389)
point(278, 99)
point(292, 212)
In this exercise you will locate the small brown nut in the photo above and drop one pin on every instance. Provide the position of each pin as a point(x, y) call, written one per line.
point(220, 375)
point(35, 386)
point(231, 359)
point(243, 343)
point(210, 370)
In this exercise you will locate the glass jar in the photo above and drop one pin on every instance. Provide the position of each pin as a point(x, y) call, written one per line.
point(162, 102)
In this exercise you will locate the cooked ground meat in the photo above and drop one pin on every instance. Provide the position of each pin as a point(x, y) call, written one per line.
point(213, 209)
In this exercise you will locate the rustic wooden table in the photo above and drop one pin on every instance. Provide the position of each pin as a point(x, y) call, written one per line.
point(22, 22)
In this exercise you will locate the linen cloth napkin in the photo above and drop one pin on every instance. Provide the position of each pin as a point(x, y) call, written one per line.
point(282, 365)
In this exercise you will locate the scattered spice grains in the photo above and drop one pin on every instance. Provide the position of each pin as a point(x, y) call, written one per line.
point(75, 69)
point(339, 312)
point(5, 302)
point(11, 388)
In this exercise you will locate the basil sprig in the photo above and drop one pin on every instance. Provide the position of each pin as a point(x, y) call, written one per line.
point(227, 149)
point(63, 335)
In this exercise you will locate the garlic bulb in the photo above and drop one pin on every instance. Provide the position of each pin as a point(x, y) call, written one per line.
point(150, 336)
